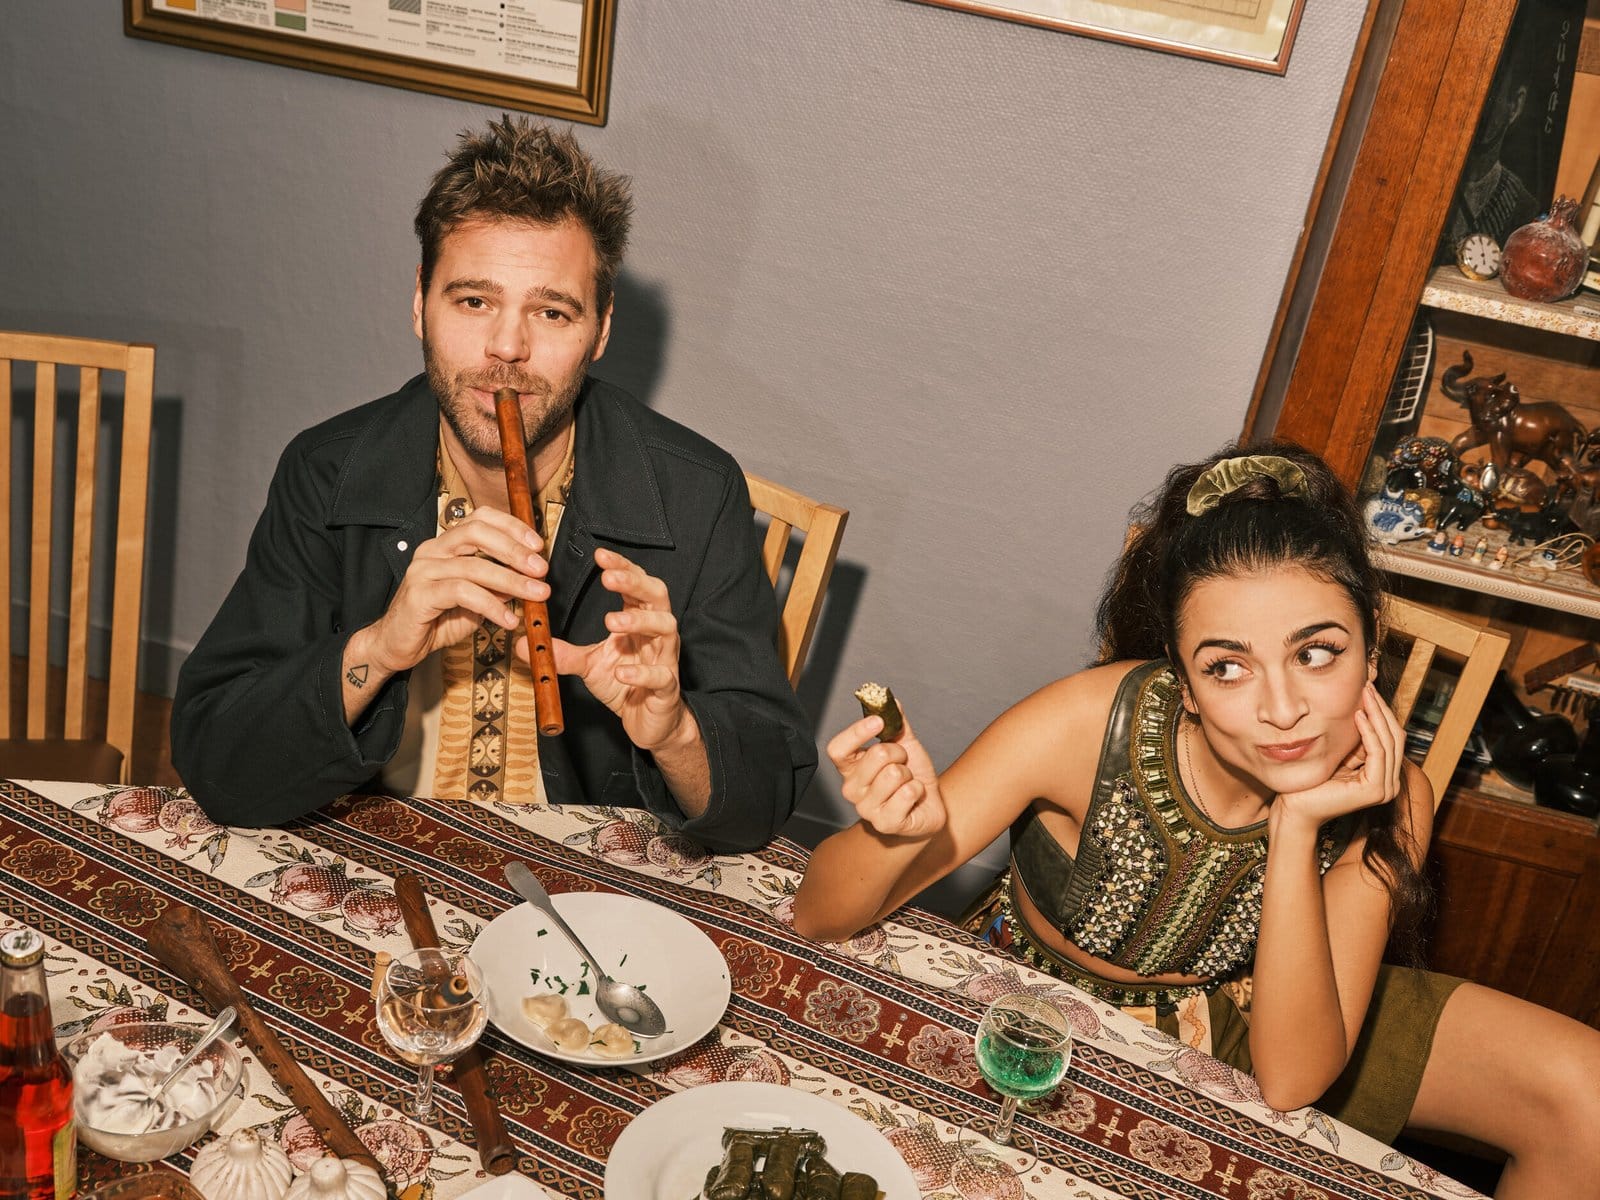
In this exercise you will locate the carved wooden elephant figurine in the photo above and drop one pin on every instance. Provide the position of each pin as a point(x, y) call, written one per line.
point(1516, 433)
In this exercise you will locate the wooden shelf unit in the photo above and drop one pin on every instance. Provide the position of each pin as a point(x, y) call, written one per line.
point(1519, 885)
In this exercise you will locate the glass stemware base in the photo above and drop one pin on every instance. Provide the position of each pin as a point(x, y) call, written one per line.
point(431, 1006)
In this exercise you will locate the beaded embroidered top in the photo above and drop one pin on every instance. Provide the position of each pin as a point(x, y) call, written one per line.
point(1156, 886)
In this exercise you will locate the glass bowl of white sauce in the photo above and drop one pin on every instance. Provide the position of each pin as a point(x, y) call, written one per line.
point(115, 1074)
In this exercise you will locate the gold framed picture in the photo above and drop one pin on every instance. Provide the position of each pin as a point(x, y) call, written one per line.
point(544, 56)
point(1257, 34)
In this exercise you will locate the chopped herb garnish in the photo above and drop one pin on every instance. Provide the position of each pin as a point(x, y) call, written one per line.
point(534, 974)
point(583, 987)
point(624, 959)
point(541, 933)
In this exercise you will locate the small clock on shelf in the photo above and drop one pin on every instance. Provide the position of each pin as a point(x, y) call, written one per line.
point(1478, 256)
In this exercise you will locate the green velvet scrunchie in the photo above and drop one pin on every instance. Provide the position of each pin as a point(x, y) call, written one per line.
point(1231, 474)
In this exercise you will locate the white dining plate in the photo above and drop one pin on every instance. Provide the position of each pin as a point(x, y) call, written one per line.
point(522, 953)
point(666, 1150)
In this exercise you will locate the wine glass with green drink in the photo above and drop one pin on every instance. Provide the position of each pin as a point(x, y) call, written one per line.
point(1023, 1046)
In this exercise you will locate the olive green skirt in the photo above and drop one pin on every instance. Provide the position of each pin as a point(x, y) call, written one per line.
point(1379, 1084)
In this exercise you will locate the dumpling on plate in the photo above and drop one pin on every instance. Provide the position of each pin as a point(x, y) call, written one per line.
point(612, 1041)
point(569, 1033)
point(544, 1010)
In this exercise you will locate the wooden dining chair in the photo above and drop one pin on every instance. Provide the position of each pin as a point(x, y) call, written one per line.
point(57, 738)
point(1480, 651)
point(822, 527)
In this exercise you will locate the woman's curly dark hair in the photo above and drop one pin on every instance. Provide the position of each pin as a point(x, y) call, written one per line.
point(1259, 525)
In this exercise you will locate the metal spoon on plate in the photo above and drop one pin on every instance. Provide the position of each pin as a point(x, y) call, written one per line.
point(623, 1003)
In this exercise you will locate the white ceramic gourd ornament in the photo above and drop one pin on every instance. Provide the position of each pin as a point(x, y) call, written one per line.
point(241, 1167)
point(337, 1179)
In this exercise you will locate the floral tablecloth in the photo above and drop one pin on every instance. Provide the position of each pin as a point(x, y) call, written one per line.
point(882, 1026)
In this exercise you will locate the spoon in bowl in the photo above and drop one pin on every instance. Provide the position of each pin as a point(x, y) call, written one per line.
point(212, 1033)
point(623, 1003)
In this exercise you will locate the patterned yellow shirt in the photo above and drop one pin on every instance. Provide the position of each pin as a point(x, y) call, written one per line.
point(466, 733)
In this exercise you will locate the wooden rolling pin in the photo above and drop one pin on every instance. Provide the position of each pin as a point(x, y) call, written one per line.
point(183, 941)
point(495, 1150)
point(541, 657)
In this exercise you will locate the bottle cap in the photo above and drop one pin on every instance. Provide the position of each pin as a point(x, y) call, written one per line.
point(21, 948)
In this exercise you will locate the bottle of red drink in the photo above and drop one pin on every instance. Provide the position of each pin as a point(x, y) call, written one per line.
point(38, 1141)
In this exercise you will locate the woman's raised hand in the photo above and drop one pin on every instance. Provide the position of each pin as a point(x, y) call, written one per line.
point(892, 785)
point(1370, 774)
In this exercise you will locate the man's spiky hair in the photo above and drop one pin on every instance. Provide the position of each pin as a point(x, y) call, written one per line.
point(526, 171)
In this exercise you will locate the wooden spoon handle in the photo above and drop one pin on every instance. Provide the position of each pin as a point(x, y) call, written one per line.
point(184, 943)
point(495, 1150)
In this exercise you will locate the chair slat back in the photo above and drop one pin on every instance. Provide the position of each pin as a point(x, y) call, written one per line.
point(82, 548)
point(774, 547)
point(823, 528)
point(132, 509)
point(1418, 661)
point(39, 545)
point(53, 360)
point(1480, 649)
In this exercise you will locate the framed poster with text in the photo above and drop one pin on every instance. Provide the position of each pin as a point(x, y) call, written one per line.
point(544, 56)
point(1240, 33)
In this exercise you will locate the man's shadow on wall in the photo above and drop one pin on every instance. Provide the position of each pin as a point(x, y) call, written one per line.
point(636, 352)
point(634, 360)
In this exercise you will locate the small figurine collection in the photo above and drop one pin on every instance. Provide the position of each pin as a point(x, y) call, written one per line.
point(1429, 491)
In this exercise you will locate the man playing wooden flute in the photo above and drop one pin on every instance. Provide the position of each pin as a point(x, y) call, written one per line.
point(371, 639)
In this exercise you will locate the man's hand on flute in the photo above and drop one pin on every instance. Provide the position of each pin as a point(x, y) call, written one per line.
point(476, 571)
point(634, 673)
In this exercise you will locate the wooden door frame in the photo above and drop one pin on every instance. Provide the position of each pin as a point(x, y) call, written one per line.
point(1405, 121)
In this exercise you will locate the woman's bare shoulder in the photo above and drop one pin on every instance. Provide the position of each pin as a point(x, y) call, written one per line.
point(1041, 738)
point(1083, 694)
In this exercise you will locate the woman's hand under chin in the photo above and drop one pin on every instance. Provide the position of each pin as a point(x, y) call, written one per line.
point(1370, 774)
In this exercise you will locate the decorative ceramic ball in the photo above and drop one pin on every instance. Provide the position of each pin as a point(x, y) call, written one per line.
point(1545, 259)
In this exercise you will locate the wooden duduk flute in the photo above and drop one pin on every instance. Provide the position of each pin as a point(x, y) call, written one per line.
point(181, 939)
point(535, 615)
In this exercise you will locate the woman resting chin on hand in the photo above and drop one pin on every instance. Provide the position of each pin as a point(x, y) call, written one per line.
point(1217, 823)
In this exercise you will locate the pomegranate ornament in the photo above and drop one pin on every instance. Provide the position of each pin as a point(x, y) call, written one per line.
point(1545, 259)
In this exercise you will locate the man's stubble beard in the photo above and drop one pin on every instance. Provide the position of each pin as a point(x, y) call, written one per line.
point(481, 439)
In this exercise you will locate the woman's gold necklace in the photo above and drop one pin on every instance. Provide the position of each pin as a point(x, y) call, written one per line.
point(1194, 780)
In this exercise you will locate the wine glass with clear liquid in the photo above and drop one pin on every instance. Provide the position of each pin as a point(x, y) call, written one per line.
point(431, 1006)
point(1023, 1046)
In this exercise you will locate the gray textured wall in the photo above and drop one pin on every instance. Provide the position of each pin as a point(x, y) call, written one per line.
point(978, 282)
